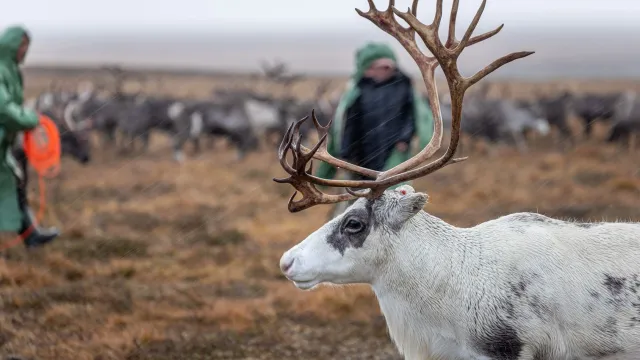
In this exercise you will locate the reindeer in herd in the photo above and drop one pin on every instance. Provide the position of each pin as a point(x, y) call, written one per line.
point(520, 287)
point(243, 117)
point(246, 118)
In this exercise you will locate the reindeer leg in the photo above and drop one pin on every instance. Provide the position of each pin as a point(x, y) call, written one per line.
point(239, 144)
point(178, 144)
point(211, 141)
point(632, 142)
point(132, 143)
point(565, 139)
point(588, 126)
point(145, 141)
point(196, 145)
point(520, 141)
point(108, 137)
point(125, 142)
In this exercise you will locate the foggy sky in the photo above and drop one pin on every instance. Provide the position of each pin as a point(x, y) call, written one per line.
point(570, 37)
point(258, 15)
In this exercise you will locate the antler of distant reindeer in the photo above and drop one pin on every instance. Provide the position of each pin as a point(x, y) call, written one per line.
point(120, 76)
point(273, 71)
point(445, 55)
point(279, 74)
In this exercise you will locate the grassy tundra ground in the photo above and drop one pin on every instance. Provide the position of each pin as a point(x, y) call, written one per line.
point(160, 261)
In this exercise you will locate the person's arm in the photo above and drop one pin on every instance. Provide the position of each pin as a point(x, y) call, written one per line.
point(350, 134)
point(406, 122)
point(13, 116)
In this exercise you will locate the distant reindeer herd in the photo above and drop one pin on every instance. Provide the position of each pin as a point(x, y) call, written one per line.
point(249, 120)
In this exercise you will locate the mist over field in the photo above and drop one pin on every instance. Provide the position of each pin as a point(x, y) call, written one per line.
point(563, 52)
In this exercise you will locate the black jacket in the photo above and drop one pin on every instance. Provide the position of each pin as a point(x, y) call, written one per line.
point(379, 118)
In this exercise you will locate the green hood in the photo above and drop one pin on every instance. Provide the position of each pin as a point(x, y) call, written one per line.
point(10, 41)
point(369, 53)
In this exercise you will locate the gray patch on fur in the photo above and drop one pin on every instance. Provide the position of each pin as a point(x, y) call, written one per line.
point(615, 285)
point(500, 341)
point(341, 239)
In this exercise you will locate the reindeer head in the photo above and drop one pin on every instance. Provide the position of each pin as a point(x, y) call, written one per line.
point(74, 137)
point(77, 145)
point(352, 247)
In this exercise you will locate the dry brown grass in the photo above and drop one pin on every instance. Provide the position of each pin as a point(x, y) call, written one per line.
point(160, 261)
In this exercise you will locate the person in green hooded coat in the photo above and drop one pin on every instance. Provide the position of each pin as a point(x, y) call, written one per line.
point(15, 215)
point(378, 116)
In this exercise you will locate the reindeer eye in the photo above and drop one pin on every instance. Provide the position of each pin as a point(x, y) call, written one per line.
point(353, 226)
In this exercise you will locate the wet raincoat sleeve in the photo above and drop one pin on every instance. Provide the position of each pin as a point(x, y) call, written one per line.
point(407, 122)
point(13, 116)
point(349, 148)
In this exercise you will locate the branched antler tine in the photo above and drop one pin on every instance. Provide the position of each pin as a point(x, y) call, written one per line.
point(285, 164)
point(496, 65)
point(407, 38)
point(321, 130)
point(317, 123)
point(386, 22)
point(485, 36)
point(437, 19)
point(300, 159)
point(309, 155)
point(359, 193)
point(312, 196)
point(472, 27)
point(392, 3)
point(320, 152)
point(372, 6)
point(293, 196)
point(427, 169)
point(451, 39)
point(457, 160)
point(296, 133)
point(310, 170)
point(287, 180)
point(307, 202)
point(285, 145)
point(414, 7)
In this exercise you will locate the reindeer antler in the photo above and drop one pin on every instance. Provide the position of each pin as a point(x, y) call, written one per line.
point(445, 55)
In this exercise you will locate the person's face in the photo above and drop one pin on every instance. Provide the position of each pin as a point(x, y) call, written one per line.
point(22, 50)
point(381, 70)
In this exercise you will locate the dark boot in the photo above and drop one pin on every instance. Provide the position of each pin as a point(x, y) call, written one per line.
point(36, 236)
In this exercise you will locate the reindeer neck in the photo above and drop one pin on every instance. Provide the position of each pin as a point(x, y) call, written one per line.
point(424, 279)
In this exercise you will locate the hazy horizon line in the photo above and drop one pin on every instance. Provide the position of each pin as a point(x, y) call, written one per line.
point(181, 70)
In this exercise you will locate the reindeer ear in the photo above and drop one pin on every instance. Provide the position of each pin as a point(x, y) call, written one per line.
point(410, 203)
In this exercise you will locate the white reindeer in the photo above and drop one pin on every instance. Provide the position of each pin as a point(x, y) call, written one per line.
point(520, 287)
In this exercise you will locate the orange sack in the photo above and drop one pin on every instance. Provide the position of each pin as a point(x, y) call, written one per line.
point(42, 149)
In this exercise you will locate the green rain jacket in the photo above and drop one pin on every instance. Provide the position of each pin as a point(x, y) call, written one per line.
point(423, 116)
point(14, 118)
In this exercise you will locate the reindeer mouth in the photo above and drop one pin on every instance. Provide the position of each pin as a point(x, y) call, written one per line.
point(306, 284)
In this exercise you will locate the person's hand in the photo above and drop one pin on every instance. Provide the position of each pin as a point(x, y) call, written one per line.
point(402, 147)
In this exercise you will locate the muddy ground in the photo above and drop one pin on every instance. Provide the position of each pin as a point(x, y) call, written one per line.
point(160, 261)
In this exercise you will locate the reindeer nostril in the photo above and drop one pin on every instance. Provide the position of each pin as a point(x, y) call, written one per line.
point(286, 265)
